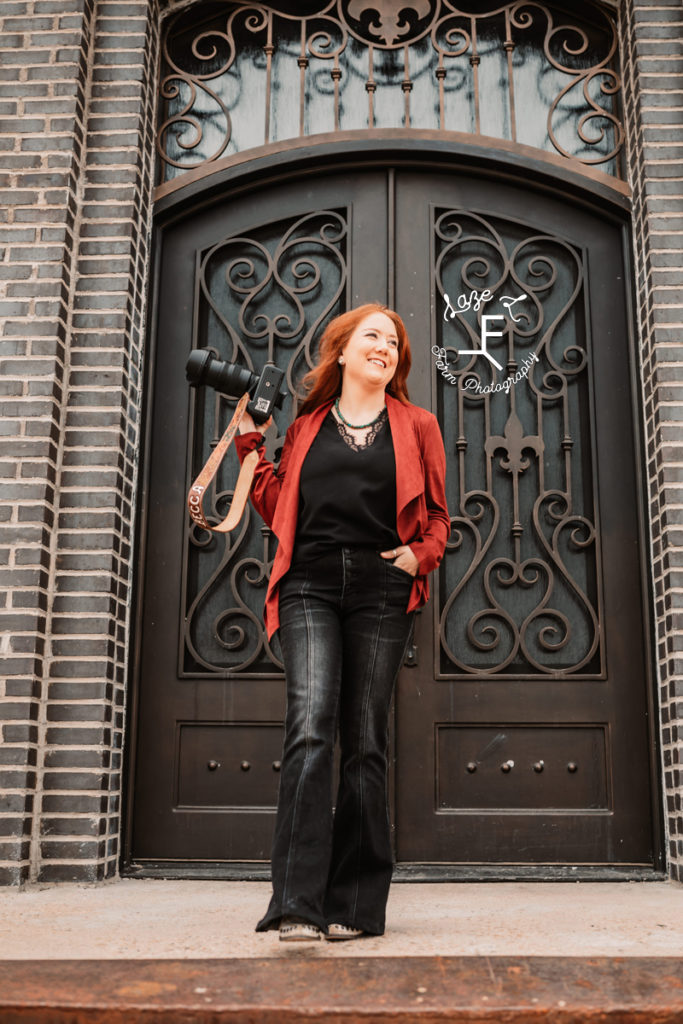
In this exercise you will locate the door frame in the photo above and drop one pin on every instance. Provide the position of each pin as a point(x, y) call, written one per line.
point(417, 151)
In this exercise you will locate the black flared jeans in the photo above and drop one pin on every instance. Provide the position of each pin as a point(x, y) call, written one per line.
point(343, 634)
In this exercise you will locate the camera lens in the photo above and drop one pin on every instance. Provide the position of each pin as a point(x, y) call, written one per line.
point(228, 378)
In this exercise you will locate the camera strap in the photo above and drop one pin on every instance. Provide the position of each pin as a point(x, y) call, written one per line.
point(242, 487)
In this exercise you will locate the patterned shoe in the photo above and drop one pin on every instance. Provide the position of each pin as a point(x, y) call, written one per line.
point(341, 932)
point(295, 929)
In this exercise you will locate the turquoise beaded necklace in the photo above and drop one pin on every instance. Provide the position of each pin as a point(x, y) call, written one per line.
point(354, 426)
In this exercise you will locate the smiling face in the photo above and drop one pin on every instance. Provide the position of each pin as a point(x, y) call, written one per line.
point(371, 353)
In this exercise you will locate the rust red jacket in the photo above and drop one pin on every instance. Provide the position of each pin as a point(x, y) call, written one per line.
point(422, 518)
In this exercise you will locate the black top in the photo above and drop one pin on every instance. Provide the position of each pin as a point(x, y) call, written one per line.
point(347, 495)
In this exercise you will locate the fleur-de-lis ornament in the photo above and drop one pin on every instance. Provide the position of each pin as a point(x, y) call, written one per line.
point(391, 28)
point(514, 442)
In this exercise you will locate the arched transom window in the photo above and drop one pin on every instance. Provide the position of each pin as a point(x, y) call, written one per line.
point(240, 75)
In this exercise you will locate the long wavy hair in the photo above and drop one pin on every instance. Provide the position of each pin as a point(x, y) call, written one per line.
point(324, 381)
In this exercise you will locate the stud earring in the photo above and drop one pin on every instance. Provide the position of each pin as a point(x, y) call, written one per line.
point(341, 360)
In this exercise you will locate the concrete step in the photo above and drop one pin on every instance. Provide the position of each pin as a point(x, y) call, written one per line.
point(151, 919)
point(299, 988)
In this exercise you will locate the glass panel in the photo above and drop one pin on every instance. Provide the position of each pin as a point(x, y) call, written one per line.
point(519, 585)
point(262, 297)
point(238, 75)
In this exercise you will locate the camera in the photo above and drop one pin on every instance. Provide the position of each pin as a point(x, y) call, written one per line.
point(233, 380)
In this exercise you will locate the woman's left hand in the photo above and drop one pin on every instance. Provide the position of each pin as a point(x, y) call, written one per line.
point(403, 558)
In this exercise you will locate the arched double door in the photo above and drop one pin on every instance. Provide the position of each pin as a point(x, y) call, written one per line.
point(520, 732)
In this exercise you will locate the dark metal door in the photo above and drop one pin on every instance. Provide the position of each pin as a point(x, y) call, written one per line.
point(523, 738)
point(256, 277)
point(521, 733)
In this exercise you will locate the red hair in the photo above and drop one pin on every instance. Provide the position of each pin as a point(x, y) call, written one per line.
point(324, 381)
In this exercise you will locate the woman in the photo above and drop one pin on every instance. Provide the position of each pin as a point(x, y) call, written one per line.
point(358, 506)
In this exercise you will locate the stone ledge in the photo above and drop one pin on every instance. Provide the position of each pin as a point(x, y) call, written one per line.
point(296, 989)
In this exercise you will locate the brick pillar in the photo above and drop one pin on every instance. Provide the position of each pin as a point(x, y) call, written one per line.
point(78, 142)
point(652, 59)
point(43, 59)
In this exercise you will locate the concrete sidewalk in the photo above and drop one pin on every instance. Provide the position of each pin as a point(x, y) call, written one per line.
point(152, 919)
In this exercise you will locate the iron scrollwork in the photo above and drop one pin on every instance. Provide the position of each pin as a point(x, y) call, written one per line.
point(265, 295)
point(520, 582)
point(245, 75)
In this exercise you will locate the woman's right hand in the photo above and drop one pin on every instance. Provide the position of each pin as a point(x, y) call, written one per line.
point(247, 425)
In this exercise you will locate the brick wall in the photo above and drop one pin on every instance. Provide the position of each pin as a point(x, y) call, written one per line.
point(77, 102)
point(652, 58)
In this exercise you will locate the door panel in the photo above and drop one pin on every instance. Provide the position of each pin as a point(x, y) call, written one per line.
point(527, 736)
point(520, 731)
point(257, 280)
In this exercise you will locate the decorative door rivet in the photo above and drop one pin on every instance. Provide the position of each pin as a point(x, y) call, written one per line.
point(277, 765)
point(507, 766)
point(471, 766)
point(212, 765)
point(539, 766)
point(572, 767)
point(245, 766)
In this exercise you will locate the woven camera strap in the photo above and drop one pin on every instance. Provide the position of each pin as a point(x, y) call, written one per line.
point(242, 487)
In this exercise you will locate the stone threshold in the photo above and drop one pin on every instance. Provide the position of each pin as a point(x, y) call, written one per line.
point(297, 988)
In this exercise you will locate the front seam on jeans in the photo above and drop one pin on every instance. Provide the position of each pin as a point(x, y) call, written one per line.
point(366, 704)
point(304, 767)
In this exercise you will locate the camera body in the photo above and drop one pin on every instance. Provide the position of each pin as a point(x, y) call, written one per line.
point(233, 380)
